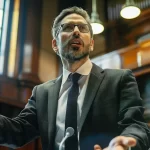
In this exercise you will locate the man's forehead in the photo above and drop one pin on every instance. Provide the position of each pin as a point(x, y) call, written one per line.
point(73, 18)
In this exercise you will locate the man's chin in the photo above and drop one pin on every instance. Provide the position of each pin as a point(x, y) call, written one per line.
point(76, 58)
point(76, 48)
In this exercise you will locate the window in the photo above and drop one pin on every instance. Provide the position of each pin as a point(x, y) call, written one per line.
point(1, 15)
point(1, 24)
point(4, 11)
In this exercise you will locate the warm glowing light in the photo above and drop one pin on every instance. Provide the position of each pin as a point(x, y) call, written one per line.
point(130, 12)
point(139, 59)
point(96, 24)
point(97, 28)
point(13, 39)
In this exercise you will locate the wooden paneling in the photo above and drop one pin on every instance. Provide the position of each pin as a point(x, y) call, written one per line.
point(17, 89)
point(3, 148)
point(122, 33)
point(135, 57)
point(114, 7)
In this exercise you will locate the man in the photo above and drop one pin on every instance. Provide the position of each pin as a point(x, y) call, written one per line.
point(108, 113)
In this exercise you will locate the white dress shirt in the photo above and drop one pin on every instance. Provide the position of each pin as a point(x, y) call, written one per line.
point(84, 70)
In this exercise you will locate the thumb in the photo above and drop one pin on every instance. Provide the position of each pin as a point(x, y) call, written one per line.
point(97, 147)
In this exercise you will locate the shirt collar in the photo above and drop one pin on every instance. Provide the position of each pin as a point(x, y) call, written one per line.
point(85, 69)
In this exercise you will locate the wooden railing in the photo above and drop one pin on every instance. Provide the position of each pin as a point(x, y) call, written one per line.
point(18, 80)
point(135, 57)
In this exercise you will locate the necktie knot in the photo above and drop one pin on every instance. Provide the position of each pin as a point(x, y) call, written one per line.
point(75, 77)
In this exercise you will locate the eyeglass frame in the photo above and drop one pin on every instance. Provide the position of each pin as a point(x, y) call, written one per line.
point(73, 28)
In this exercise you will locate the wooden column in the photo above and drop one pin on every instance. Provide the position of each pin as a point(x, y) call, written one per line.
point(28, 47)
point(29, 40)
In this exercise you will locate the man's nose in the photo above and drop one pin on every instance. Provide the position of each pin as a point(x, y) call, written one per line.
point(76, 30)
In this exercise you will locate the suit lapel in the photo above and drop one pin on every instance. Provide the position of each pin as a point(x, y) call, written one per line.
point(53, 95)
point(96, 77)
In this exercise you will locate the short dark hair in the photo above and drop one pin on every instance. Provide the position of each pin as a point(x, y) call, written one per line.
point(68, 11)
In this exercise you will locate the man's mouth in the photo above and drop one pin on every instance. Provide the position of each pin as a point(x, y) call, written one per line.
point(76, 42)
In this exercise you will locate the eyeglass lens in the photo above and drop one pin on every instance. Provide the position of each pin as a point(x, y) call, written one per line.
point(70, 27)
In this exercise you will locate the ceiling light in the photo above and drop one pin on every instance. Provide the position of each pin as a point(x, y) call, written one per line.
point(96, 24)
point(97, 28)
point(130, 10)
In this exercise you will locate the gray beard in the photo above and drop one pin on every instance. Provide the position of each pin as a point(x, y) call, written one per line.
point(71, 57)
point(74, 55)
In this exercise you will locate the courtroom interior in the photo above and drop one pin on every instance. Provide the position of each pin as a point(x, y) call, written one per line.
point(27, 58)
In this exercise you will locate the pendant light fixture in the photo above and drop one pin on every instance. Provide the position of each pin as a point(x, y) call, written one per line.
point(96, 24)
point(130, 10)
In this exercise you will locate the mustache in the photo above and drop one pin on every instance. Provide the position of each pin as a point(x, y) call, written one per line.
point(71, 39)
point(77, 39)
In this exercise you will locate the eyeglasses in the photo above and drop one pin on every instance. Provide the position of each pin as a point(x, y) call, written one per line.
point(68, 27)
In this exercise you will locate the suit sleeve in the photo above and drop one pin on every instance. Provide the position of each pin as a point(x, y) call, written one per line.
point(19, 131)
point(131, 122)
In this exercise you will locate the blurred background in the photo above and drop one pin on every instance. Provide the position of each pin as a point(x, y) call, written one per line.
point(27, 57)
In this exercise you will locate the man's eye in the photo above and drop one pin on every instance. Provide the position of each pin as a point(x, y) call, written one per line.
point(83, 28)
point(67, 28)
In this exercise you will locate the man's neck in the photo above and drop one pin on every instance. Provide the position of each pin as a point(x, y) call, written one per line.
point(73, 66)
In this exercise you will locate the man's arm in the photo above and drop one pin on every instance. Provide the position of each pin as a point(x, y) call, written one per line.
point(131, 122)
point(20, 130)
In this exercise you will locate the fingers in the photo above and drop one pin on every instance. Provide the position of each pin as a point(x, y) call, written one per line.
point(97, 147)
point(129, 141)
point(119, 143)
point(124, 141)
point(119, 147)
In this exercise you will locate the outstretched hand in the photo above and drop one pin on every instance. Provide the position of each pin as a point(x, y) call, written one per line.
point(119, 143)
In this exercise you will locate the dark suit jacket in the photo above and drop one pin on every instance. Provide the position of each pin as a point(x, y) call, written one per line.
point(112, 106)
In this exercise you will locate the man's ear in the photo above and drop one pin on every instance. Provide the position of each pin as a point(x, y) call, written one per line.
point(54, 46)
point(92, 45)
